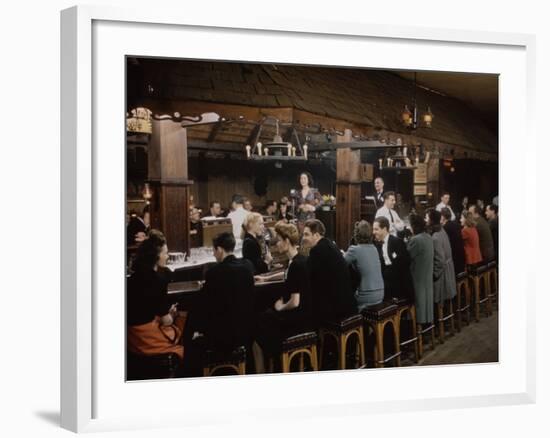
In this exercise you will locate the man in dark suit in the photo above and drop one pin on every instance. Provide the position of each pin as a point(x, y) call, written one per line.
point(395, 261)
point(452, 228)
point(486, 244)
point(333, 296)
point(491, 212)
point(379, 192)
point(223, 317)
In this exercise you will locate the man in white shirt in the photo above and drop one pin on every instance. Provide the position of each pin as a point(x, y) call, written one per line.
point(378, 191)
point(238, 215)
point(387, 211)
point(445, 198)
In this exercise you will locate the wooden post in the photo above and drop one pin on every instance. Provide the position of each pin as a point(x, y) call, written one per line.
point(348, 192)
point(167, 173)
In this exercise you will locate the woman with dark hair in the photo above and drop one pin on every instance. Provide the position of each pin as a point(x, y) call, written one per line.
point(470, 237)
point(307, 199)
point(154, 325)
point(291, 313)
point(282, 212)
point(363, 258)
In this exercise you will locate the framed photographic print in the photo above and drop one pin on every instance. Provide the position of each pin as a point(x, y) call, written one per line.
point(246, 216)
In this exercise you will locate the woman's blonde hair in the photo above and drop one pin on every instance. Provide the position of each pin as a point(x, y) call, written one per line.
point(288, 231)
point(469, 219)
point(249, 220)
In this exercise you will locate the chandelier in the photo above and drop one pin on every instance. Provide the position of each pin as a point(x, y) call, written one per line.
point(410, 117)
point(277, 150)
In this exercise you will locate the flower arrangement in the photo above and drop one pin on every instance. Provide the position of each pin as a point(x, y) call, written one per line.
point(328, 201)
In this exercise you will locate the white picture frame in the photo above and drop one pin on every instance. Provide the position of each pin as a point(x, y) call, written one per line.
point(92, 327)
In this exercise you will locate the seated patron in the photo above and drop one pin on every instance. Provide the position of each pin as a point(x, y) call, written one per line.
point(253, 230)
point(291, 313)
point(270, 208)
point(486, 244)
point(195, 227)
point(138, 227)
point(472, 253)
point(215, 210)
point(283, 213)
point(395, 262)
point(421, 249)
point(491, 212)
point(452, 228)
point(332, 294)
point(223, 317)
point(363, 258)
point(154, 324)
point(247, 205)
point(444, 277)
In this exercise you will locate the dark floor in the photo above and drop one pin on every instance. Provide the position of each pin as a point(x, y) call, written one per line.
point(476, 343)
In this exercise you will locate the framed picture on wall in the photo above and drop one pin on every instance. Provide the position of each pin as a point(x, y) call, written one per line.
point(214, 199)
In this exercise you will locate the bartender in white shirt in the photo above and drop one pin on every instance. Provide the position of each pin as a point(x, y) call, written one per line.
point(387, 211)
point(445, 198)
point(238, 215)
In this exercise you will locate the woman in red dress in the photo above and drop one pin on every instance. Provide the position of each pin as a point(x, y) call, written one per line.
point(470, 238)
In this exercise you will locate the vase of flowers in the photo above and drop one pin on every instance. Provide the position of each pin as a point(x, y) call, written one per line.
point(329, 202)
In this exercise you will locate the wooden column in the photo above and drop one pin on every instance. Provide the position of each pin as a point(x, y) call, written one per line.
point(167, 173)
point(348, 192)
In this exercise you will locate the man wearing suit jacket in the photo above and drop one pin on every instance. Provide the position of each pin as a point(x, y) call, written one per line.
point(486, 244)
point(395, 261)
point(331, 289)
point(453, 230)
point(223, 317)
point(378, 192)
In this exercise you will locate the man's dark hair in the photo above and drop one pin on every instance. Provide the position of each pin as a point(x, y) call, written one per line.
point(445, 193)
point(214, 202)
point(315, 226)
point(434, 215)
point(225, 241)
point(238, 199)
point(446, 213)
point(417, 223)
point(388, 194)
point(493, 208)
point(383, 222)
point(477, 210)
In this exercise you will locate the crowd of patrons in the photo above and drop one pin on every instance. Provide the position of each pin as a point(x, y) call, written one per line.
point(385, 260)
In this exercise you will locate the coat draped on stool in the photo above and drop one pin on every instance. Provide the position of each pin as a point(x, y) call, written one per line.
point(421, 249)
point(444, 271)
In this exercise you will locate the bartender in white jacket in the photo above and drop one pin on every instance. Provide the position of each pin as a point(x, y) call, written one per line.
point(387, 211)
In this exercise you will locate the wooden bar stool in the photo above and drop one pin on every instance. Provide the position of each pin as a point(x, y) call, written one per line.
point(377, 317)
point(492, 283)
point(234, 360)
point(301, 344)
point(479, 281)
point(463, 298)
point(341, 331)
point(444, 312)
point(404, 308)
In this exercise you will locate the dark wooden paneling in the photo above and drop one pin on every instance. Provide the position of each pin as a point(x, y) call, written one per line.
point(348, 211)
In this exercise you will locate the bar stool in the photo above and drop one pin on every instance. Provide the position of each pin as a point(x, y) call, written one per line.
point(479, 280)
point(234, 360)
point(377, 317)
point(443, 317)
point(404, 307)
point(301, 344)
point(492, 282)
point(341, 331)
point(463, 298)
point(157, 366)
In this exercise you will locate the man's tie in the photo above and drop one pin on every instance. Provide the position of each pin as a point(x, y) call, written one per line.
point(391, 215)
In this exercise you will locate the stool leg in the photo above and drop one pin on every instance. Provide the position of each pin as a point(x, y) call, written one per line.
point(321, 347)
point(440, 323)
point(452, 317)
point(341, 352)
point(476, 298)
point(242, 368)
point(285, 363)
point(206, 372)
point(380, 345)
point(433, 337)
point(489, 306)
point(420, 340)
point(362, 346)
point(396, 339)
point(415, 333)
point(458, 307)
point(301, 363)
point(314, 358)
point(468, 299)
